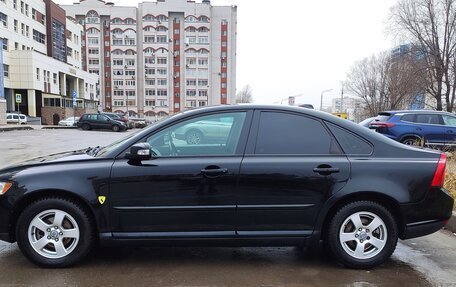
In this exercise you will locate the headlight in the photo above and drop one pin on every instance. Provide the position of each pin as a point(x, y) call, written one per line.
point(4, 186)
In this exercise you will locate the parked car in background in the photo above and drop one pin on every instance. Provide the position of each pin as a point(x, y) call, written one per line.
point(365, 123)
point(12, 118)
point(260, 180)
point(211, 130)
point(422, 127)
point(100, 121)
point(69, 122)
point(139, 122)
point(120, 117)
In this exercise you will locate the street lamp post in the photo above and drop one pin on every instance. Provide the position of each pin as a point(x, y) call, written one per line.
point(321, 97)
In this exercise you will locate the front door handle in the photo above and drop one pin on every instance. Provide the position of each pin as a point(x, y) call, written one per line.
point(213, 171)
point(326, 169)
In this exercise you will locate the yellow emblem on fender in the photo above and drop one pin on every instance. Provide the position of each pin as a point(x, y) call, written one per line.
point(102, 199)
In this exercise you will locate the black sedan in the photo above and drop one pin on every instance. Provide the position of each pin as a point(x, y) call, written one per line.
point(283, 176)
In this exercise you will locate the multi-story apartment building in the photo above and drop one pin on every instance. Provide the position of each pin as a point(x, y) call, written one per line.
point(161, 57)
point(42, 61)
point(352, 106)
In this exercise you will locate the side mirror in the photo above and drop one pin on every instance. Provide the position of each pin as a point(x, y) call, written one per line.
point(139, 151)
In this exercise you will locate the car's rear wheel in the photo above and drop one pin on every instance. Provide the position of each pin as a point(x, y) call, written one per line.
point(362, 234)
point(413, 141)
point(85, 127)
point(54, 232)
point(194, 137)
point(115, 128)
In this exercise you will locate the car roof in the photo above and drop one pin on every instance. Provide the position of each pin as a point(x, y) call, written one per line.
point(395, 112)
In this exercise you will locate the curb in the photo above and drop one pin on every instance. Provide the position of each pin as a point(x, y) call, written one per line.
point(14, 128)
point(58, 128)
point(451, 225)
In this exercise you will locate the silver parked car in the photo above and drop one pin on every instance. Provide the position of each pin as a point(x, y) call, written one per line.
point(69, 122)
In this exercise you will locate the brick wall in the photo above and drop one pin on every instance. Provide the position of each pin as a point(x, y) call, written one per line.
point(2, 112)
point(47, 114)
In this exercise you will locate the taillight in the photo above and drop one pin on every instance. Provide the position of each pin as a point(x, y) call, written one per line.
point(439, 174)
point(381, 125)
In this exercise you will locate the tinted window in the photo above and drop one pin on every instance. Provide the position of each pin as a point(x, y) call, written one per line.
point(428, 119)
point(92, 117)
point(9, 117)
point(351, 144)
point(408, 118)
point(205, 135)
point(281, 133)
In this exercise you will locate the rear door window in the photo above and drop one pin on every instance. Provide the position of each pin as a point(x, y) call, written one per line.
point(449, 120)
point(408, 118)
point(428, 119)
point(383, 117)
point(290, 134)
point(350, 143)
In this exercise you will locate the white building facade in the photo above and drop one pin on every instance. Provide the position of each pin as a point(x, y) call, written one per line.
point(37, 68)
point(352, 106)
point(161, 57)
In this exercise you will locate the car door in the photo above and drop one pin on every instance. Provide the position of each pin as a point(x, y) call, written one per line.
point(450, 129)
point(186, 190)
point(104, 122)
point(430, 126)
point(291, 167)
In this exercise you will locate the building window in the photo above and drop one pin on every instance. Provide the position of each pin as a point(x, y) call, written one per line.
point(130, 42)
point(39, 37)
point(16, 46)
point(92, 17)
point(203, 61)
point(130, 62)
point(149, 60)
point(162, 39)
point(130, 93)
point(149, 71)
point(150, 82)
point(162, 93)
point(33, 14)
point(116, 21)
point(93, 51)
point(161, 71)
point(15, 4)
point(26, 10)
point(161, 18)
point(149, 39)
point(38, 74)
point(117, 42)
point(150, 103)
point(94, 61)
point(118, 93)
point(93, 41)
point(162, 61)
point(54, 78)
point(202, 93)
point(191, 93)
point(94, 71)
point(5, 71)
point(130, 83)
point(4, 19)
point(15, 25)
point(150, 92)
point(191, 82)
point(58, 41)
point(69, 52)
point(203, 40)
point(27, 29)
point(5, 44)
point(202, 103)
point(117, 62)
point(130, 73)
point(203, 83)
point(22, 7)
point(162, 82)
point(129, 21)
point(148, 18)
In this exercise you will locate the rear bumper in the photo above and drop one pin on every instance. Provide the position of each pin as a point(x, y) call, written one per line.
point(427, 216)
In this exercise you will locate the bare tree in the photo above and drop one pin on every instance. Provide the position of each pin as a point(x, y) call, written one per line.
point(383, 81)
point(430, 25)
point(244, 95)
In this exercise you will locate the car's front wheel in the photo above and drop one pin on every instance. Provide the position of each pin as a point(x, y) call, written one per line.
point(362, 234)
point(54, 232)
point(85, 127)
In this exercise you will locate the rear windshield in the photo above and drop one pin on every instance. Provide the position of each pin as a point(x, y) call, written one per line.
point(383, 117)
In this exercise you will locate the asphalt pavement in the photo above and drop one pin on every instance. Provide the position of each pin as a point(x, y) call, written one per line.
point(425, 261)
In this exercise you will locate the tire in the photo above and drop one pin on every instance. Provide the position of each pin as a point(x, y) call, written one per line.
point(66, 242)
point(413, 141)
point(194, 137)
point(85, 127)
point(353, 244)
point(115, 128)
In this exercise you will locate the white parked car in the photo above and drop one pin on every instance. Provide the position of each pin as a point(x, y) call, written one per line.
point(16, 118)
point(69, 122)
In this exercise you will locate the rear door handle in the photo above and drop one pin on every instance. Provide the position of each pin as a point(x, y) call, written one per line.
point(326, 170)
point(213, 172)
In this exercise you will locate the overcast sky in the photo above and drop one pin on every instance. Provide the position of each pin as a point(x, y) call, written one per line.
point(294, 47)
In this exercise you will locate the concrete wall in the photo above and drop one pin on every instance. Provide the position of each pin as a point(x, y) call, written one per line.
point(47, 113)
point(2, 112)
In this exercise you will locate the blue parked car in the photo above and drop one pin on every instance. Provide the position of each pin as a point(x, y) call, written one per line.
point(430, 128)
